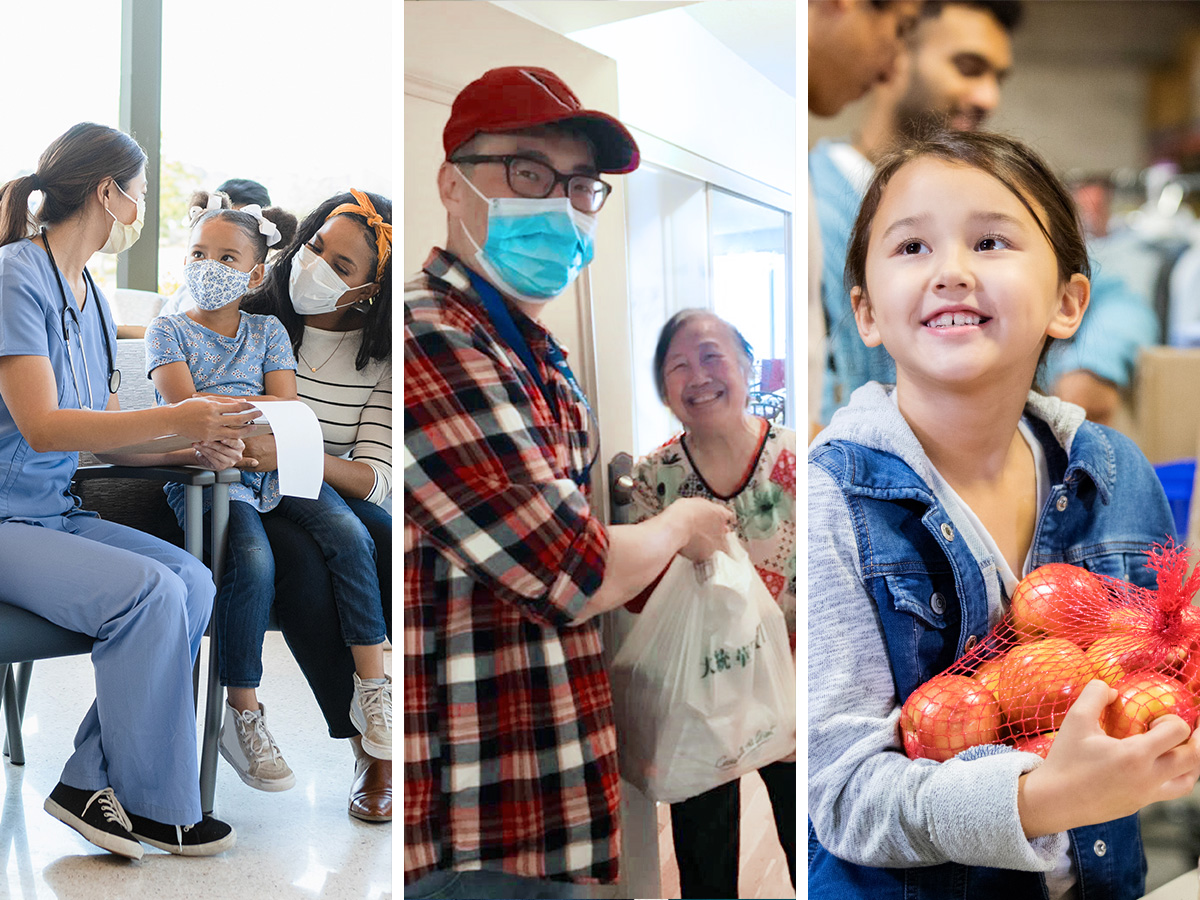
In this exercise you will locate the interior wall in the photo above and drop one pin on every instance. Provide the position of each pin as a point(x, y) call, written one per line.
point(705, 98)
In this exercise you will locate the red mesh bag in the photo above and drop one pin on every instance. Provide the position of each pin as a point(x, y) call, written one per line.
point(1066, 626)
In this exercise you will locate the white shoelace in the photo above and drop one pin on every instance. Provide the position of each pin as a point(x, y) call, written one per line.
point(111, 807)
point(376, 702)
point(253, 729)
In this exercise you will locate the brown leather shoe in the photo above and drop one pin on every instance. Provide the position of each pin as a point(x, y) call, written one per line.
point(371, 793)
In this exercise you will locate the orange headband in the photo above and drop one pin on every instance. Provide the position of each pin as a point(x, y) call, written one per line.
point(383, 231)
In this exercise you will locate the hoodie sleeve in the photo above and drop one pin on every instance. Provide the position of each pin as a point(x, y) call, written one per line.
point(868, 802)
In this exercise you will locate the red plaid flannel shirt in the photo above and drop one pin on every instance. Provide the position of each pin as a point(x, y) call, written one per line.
point(509, 747)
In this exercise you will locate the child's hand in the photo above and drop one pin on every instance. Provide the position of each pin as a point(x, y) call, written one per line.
point(218, 455)
point(1089, 777)
point(205, 419)
point(259, 455)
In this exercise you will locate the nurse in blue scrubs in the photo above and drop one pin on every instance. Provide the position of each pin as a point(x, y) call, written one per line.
point(133, 778)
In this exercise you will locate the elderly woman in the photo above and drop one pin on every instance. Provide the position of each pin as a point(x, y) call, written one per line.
point(702, 368)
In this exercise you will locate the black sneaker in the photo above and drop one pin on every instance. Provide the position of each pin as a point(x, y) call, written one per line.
point(97, 815)
point(207, 837)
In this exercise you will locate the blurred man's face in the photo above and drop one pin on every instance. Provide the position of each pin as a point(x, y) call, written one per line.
point(858, 50)
point(1095, 207)
point(954, 70)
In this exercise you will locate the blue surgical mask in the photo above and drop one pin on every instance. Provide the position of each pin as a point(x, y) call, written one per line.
point(535, 248)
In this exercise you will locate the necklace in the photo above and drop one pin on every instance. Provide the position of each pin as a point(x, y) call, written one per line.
point(328, 358)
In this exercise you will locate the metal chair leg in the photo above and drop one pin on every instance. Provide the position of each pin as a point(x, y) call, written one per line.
point(214, 702)
point(5, 674)
point(14, 745)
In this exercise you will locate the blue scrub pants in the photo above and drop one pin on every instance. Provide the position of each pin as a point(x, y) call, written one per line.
point(147, 603)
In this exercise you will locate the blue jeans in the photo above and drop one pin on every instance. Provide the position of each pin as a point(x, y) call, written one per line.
point(248, 586)
point(482, 885)
point(307, 613)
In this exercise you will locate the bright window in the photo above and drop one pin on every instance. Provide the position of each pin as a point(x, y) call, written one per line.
point(51, 91)
point(295, 94)
point(692, 244)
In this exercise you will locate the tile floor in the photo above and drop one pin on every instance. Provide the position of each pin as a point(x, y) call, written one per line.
point(762, 866)
point(299, 843)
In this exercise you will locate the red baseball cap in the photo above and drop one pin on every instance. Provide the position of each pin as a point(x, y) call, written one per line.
point(517, 97)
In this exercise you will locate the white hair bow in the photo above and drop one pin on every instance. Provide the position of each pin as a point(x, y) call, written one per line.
point(266, 227)
point(195, 212)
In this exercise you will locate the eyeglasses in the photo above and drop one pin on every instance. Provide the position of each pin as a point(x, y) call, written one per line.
point(531, 178)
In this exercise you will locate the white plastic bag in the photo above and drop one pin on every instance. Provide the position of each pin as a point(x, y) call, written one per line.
point(704, 686)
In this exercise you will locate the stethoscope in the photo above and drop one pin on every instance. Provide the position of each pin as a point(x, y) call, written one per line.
point(114, 374)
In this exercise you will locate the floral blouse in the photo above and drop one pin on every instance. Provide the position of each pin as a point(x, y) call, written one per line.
point(765, 506)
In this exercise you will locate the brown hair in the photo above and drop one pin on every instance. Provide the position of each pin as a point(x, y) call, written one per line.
point(1006, 159)
point(282, 219)
point(68, 172)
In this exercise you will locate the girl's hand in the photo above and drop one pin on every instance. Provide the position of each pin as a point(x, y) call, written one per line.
point(705, 525)
point(218, 455)
point(1089, 777)
point(207, 419)
point(260, 454)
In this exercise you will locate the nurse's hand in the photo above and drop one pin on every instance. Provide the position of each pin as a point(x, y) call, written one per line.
point(210, 419)
point(218, 455)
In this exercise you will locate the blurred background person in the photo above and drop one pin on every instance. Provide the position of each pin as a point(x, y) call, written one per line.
point(852, 45)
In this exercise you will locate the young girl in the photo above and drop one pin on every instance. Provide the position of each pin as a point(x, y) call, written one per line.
point(218, 348)
point(927, 502)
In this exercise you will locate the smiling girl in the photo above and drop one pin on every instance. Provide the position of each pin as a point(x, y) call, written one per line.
point(928, 501)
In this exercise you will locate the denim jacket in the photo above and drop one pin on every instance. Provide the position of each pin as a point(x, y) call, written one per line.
point(931, 599)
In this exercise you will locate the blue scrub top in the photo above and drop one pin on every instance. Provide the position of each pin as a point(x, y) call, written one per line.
point(37, 485)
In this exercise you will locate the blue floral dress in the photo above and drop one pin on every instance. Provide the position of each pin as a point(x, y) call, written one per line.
point(234, 366)
point(765, 506)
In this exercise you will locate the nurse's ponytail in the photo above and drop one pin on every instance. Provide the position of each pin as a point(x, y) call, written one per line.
point(68, 172)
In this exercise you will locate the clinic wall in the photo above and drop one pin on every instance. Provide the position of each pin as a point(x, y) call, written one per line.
point(705, 98)
point(446, 46)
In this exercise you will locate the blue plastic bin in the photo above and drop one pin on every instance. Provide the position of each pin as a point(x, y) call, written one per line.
point(1177, 479)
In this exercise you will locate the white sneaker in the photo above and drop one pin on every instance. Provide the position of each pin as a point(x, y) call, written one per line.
point(253, 752)
point(371, 713)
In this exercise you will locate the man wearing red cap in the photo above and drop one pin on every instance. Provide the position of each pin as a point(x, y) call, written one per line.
point(510, 767)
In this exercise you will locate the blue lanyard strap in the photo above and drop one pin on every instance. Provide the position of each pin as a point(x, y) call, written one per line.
point(502, 319)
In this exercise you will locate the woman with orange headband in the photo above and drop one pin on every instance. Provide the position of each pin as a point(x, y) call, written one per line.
point(331, 288)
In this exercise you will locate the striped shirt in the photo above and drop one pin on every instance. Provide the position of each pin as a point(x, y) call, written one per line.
point(354, 407)
point(510, 757)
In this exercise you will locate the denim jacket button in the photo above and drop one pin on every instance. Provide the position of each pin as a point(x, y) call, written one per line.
point(947, 531)
point(971, 642)
point(1100, 847)
point(938, 602)
point(1061, 505)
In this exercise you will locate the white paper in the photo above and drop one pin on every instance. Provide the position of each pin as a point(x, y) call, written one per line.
point(299, 446)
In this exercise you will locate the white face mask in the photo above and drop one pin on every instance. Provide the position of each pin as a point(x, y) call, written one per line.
point(314, 286)
point(121, 237)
